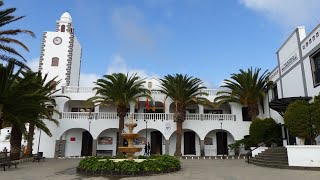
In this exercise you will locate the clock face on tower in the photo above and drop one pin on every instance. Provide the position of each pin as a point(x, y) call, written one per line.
point(57, 40)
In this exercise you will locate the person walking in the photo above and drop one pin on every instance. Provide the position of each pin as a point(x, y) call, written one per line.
point(149, 147)
point(146, 149)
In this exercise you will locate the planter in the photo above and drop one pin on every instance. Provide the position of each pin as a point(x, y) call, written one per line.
point(106, 172)
point(97, 172)
point(116, 173)
point(89, 171)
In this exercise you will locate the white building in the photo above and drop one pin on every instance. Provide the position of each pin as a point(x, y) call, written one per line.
point(206, 131)
point(297, 75)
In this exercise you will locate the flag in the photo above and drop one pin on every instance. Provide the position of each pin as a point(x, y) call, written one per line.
point(147, 105)
point(153, 106)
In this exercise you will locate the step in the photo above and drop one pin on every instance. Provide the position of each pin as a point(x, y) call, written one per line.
point(271, 158)
point(270, 162)
point(280, 166)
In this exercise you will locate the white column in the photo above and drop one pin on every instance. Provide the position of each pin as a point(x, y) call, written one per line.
point(132, 107)
point(201, 109)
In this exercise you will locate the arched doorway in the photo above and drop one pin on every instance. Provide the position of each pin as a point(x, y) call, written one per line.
point(86, 149)
point(156, 142)
point(154, 137)
point(222, 143)
point(189, 142)
point(216, 142)
point(74, 142)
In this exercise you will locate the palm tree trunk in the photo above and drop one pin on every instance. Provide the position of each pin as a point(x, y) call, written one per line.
point(30, 139)
point(15, 142)
point(178, 140)
point(122, 112)
point(253, 110)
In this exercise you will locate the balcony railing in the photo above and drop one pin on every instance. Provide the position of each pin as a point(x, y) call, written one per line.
point(147, 116)
point(76, 89)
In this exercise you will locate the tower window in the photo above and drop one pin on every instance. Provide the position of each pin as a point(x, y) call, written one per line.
point(63, 28)
point(55, 61)
point(71, 30)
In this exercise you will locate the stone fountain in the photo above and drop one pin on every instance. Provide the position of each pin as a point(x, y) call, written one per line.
point(130, 136)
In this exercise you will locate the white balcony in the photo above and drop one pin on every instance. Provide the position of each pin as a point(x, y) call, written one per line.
point(148, 116)
point(76, 89)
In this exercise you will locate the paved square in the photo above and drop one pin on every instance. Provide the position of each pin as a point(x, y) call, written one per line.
point(64, 169)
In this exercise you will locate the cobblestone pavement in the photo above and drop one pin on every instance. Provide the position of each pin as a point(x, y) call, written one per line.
point(64, 169)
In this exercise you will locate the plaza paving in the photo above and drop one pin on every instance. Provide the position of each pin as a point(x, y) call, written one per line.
point(64, 169)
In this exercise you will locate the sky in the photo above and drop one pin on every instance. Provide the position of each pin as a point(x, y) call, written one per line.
point(202, 38)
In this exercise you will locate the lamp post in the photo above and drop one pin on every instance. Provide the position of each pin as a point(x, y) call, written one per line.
point(221, 120)
point(90, 120)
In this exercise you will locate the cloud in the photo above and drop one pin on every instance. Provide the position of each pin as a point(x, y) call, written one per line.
point(132, 29)
point(88, 79)
point(119, 65)
point(33, 64)
point(287, 13)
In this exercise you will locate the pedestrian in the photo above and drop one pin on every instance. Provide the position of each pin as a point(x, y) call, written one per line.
point(146, 149)
point(149, 147)
point(5, 150)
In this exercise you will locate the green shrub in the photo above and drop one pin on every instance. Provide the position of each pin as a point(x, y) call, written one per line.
point(152, 163)
point(264, 131)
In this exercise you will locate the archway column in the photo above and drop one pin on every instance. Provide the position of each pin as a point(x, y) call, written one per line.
point(202, 148)
point(94, 147)
point(201, 111)
point(167, 146)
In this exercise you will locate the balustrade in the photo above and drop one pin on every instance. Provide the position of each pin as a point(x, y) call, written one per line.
point(148, 116)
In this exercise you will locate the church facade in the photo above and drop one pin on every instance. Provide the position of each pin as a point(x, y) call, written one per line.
point(206, 131)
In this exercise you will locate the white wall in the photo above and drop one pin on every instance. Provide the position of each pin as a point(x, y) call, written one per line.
point(73, 148)
point(293, 83)
point(307, 155)
point(60, 51)
point(109, 133)
point(75, 66)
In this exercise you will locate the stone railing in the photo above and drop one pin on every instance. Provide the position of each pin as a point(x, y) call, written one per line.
point(147, 116)
point(76, 89)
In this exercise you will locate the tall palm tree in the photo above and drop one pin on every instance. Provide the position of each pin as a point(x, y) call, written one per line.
point(7, 79)
point(45, 109)
point(184, 90)
point(247, 88)
point(7, 39)
point(119, 89)
point(23, 103)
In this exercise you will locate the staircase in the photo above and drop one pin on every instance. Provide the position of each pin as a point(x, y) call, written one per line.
point(275, 157)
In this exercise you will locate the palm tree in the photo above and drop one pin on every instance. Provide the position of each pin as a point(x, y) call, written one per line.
point(45, 110)
point(184, 90)
point(247, 88)
point(120, 90)
point(6, 37)
point(24, 104)
point(7, 79)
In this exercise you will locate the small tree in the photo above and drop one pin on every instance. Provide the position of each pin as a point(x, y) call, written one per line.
point(264, 131)
point(303, 119)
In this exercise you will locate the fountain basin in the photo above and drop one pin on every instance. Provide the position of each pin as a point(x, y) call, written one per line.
point(131, 125)
point(130, 149)
point(129, 135)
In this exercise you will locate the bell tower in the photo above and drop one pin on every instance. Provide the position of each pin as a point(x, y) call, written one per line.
point(61, 53)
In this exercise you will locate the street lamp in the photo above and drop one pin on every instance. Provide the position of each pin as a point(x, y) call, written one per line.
point(221, 120)
point(90, 119)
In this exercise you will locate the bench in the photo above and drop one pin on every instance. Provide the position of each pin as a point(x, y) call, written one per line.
point(8, 163)
point(38, 157)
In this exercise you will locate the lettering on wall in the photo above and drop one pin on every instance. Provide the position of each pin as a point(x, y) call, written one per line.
point(289, 62)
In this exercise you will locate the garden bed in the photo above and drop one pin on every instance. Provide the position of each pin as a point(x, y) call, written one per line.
point(96, 166)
